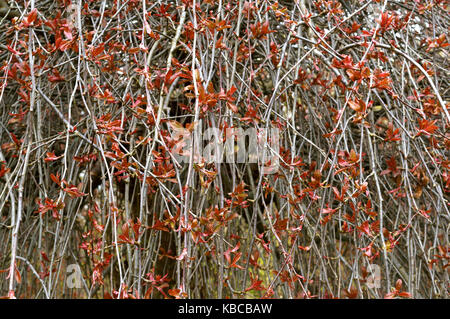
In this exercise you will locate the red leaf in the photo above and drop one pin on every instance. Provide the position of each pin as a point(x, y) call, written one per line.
point(52, 157)
point(55, 77)
point(55, 178)
point(426, 127)
point(158, 225)
point(351, 294)
point(364, 228)
point(3, 170)
point(32, 16)
point(96, 51)
point(235, 260)
point(44, 256)
point(358, 105)
point(175, 293)
point(10, 49)
point(327, 210)
point(392, 134)
point(17, 275)
point(73, 191)
point(232, 107)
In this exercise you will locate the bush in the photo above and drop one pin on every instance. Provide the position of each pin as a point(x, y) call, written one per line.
point(102, 197)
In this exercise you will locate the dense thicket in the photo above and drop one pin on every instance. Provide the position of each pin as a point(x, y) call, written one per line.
point(90, 95)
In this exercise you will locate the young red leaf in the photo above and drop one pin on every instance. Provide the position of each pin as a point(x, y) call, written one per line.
point(52, 157)
point(426, 127)
point(32, 16)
